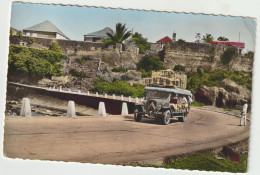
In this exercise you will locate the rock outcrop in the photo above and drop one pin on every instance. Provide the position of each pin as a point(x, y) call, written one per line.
point(131, 76)
point(71, 82)
point(229, 94)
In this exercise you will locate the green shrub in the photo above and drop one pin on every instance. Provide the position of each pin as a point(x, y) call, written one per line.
point(213, 78)
point(119, 69)
point(228, 55)
point(149, 64)
point(212, 54)
point(250, 55)
point(196, 104)
point(119, 88)
point(179, 68)
point(31, 40)
point(20, 35)
point(34, 62)
point(75, 73)
point(55, 47)
point(107, 42)
point(83, 59)
point(208, 162)
point(11, 32)
point(200, 71)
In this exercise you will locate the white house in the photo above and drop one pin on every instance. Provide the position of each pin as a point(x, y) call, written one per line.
point(44, 29)
point(96, 37)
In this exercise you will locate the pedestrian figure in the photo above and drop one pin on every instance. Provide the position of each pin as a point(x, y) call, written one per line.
point(243, 113)
point(189, 101)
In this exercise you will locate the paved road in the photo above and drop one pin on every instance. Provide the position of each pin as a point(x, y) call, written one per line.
point(117, 139)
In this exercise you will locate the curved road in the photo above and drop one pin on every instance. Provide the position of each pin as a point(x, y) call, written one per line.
point(117, 139)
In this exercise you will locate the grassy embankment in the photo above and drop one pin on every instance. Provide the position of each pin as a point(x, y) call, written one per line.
point(208, 162)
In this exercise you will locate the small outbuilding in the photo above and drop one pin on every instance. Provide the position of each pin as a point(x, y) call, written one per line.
point(96, 37)
point(45, 29)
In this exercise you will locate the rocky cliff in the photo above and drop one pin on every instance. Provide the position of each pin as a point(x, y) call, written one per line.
point(229, 94)
point(200, 55)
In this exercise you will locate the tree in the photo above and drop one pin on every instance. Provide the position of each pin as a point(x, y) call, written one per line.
point(119, 36)
point(197, 36)
point(55, 47)
point(181, 41)
point(222, 38)
point(148, 64)
point(141, 42)
point(208, 38)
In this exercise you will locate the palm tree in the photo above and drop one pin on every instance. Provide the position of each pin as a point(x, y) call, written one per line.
point(119, 36)
point(208, 38)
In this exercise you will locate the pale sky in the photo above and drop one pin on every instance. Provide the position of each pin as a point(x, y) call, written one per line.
point(76, 21)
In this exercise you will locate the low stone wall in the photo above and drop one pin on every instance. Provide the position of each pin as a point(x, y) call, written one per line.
point(113, 106)
point(68, 46)
point(113, 56)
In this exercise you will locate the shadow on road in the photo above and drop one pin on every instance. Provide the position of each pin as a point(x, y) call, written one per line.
point(150, 121)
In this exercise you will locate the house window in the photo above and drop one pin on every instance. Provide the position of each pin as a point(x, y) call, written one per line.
point(95, 40)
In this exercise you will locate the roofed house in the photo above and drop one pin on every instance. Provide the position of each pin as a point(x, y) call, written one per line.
point(45, 29)
point(96, 37)
point(163, 41)
point(238, 45)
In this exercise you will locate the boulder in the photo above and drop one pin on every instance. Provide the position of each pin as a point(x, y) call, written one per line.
point(229, 94)
point(231, 86)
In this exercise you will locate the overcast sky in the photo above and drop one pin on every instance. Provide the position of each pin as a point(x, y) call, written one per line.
point(77, 21)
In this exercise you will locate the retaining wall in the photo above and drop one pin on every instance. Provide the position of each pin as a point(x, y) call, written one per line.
point(113, 106)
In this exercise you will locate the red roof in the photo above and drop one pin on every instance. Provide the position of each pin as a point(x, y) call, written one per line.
point(164, 40)
point(228, 43)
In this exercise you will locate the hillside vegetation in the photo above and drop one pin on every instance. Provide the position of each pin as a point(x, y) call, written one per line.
point(118, 88)
point(213, 78)
point(35, 62)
